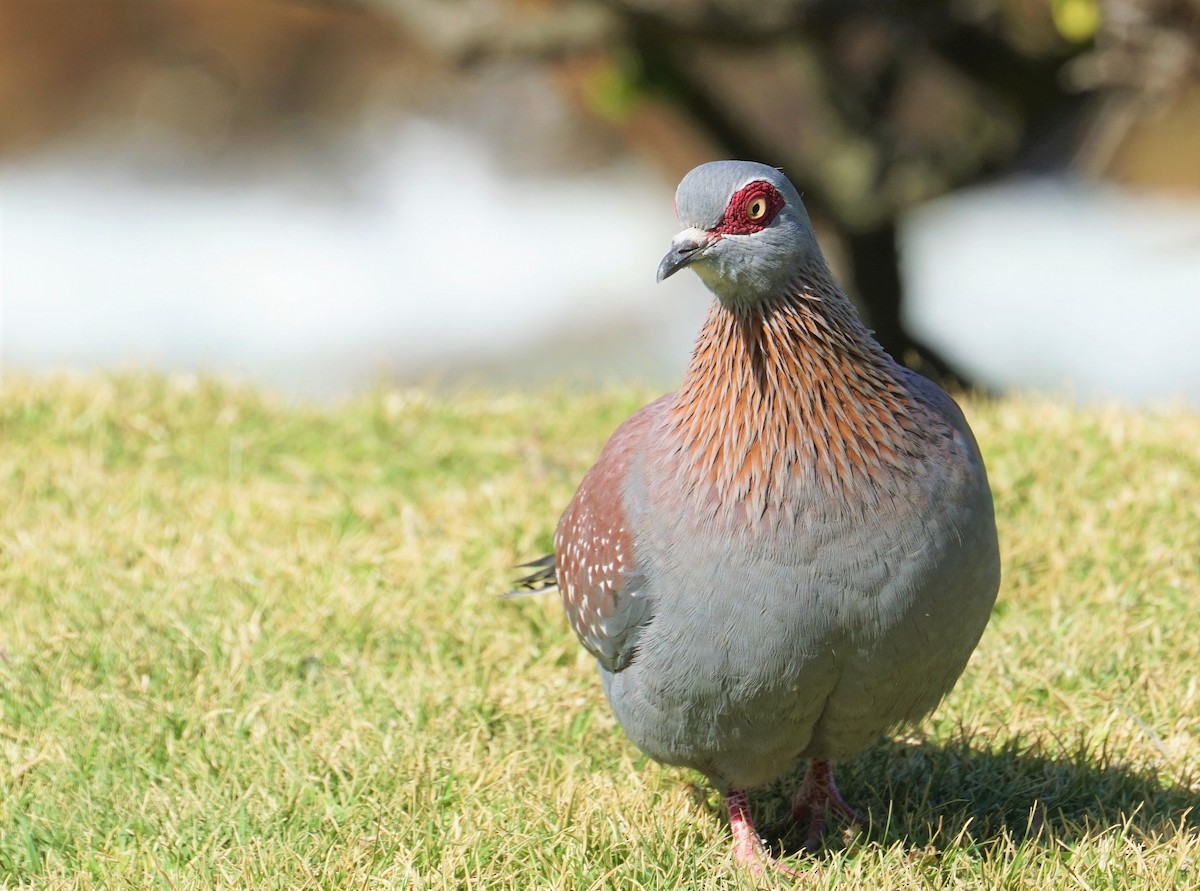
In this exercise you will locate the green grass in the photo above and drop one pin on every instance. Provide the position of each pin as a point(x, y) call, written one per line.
point(258, 646)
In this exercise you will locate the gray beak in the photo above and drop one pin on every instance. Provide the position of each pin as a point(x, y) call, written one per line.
point(686, 247)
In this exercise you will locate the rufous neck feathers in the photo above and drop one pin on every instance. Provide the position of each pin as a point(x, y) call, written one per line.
point(794, 388)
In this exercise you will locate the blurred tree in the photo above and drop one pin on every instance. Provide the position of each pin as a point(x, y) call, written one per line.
point(870, 107)
point(207, 76)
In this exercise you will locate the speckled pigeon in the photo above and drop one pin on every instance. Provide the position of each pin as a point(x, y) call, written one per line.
point(795, 550)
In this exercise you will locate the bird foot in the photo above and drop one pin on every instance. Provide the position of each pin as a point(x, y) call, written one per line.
point(818, 794)
point(749, 850)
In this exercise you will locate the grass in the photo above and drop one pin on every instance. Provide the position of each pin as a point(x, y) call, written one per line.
point(247, 645)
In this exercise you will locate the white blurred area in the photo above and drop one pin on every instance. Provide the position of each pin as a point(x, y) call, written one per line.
point(1079, 288)
point(423, 261)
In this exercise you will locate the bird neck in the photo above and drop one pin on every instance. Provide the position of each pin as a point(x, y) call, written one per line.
point(792, 389)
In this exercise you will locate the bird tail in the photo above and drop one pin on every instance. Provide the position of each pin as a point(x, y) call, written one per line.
point(542, 580)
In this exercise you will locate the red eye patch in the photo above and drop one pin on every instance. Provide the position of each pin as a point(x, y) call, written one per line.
point(751, 209)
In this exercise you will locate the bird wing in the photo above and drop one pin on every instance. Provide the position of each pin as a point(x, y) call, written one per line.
point(603, 590)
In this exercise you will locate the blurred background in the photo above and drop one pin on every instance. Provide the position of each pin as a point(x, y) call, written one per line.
point(316, 195)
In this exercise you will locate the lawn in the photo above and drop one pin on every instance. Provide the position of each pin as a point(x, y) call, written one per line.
point(252, 645)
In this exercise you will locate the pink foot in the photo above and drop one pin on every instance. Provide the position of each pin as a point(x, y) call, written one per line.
point(818, 794)
point(748, 848)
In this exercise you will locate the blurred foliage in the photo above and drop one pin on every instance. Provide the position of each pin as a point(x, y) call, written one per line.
point(870, 108)
point(1076, 20)
point(877, 105)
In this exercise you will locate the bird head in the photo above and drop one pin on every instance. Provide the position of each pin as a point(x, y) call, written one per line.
point(747, 231)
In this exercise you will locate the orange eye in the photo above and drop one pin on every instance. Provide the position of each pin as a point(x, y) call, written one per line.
point(756, 209)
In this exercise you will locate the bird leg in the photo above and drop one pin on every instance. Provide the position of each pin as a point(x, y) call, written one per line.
point(748, 848)
point(817, 794)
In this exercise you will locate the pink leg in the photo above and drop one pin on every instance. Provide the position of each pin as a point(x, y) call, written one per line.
point(817, 794)
point(748, 848)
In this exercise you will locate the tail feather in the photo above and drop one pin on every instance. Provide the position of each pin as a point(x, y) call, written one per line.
point(542, 580)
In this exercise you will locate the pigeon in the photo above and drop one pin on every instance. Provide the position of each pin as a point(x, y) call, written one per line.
point(795, 551)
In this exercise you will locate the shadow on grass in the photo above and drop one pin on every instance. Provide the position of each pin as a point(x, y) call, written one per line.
point(929, 796)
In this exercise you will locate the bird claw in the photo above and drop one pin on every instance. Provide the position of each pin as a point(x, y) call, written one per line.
point(763, 861)
point(818, 795)
point(749, 850)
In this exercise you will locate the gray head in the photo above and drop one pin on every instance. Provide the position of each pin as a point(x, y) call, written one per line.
point(747, 231)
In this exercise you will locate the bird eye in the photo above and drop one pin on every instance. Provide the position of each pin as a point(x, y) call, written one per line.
point(751, 209)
